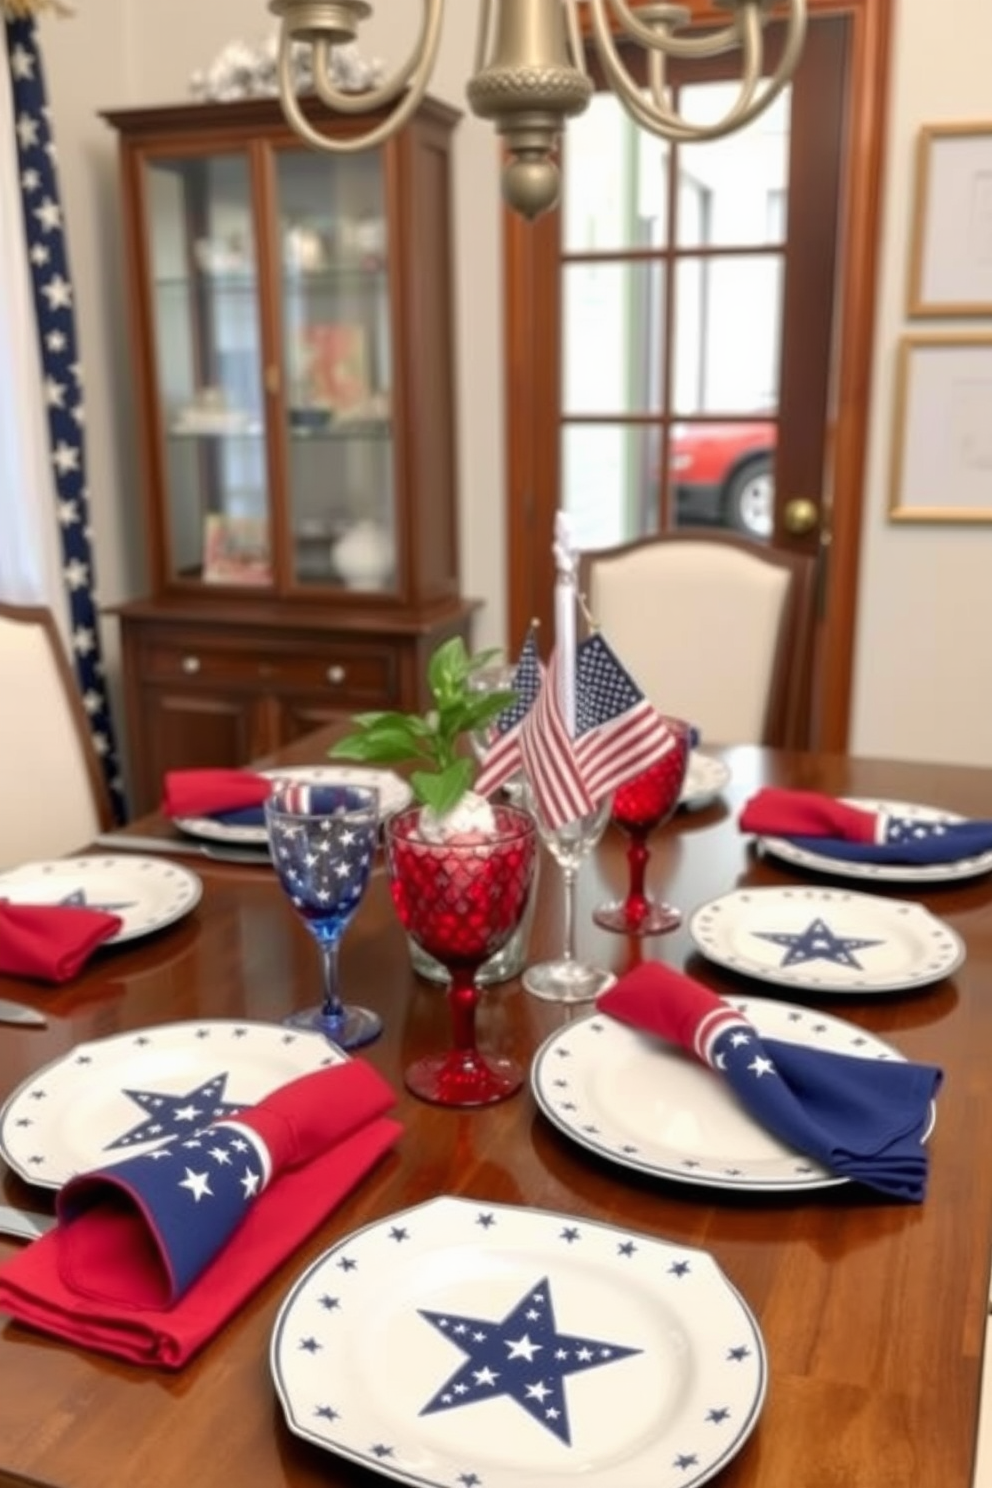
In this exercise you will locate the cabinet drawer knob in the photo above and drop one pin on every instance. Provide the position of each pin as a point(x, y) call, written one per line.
point(190, 665)
point(336, 674)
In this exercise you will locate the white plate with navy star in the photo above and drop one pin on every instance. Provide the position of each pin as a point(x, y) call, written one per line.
point(908, 873)
point(827, 940)
point(650, 1106)
point(119, 1096)
point(147, 893)
point(467, 1345)
point(394, 795)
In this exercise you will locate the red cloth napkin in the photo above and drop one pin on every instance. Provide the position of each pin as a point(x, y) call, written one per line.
point(201, 792)
point(776, 812)
point(51, 942)
point(102, 1279)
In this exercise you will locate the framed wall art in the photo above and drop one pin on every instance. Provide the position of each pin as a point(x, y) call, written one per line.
point(942, 429)
point(950, 269)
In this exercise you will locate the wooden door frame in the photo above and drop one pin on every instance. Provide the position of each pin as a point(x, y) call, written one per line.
point(527, 364)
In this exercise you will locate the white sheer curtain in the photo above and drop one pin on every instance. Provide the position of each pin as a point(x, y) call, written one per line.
point(30, 564)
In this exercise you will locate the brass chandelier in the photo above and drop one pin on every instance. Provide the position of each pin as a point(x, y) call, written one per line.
point(530, 74)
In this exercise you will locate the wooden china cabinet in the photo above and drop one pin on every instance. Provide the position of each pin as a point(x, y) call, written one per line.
point(293, 360)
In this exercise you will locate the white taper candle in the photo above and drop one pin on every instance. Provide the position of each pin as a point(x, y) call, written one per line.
point(565, 602)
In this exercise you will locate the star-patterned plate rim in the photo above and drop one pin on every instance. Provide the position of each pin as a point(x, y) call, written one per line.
point(706, 778)
point(908, 873)
point(71, 1114)
point(394, 795)
point(595, 1080)
point(148, 893)
point(366, 1363)
point(740, 931)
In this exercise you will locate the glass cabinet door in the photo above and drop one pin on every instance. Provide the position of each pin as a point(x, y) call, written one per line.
point(207, 340)
point(337, 369)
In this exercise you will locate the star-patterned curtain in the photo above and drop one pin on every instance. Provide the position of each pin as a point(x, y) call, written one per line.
point(61, 380)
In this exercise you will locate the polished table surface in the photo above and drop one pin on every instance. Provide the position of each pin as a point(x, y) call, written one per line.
point(873, 1313)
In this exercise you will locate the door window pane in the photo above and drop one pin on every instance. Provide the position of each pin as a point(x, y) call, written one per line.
point(732, 192)
point(609, 481)
point(614, 182)
point(613, 337)
point(728, 331)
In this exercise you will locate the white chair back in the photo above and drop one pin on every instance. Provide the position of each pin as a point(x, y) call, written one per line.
point(702, 627)
point(51, 800)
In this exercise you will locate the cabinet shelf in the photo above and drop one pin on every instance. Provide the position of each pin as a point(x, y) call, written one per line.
point(332, 279)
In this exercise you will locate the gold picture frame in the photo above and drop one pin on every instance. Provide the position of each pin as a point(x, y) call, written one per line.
point(950, 265)
point(941, 465)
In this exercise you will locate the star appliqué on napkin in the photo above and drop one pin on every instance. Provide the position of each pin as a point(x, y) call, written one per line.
point(176, 1116)
point(523, 1356)
point(818, 943)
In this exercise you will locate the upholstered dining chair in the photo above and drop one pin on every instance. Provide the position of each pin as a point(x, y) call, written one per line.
point(713, 628)
point(53, 798)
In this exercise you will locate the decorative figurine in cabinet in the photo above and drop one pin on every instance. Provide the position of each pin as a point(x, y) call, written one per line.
point(293, 357)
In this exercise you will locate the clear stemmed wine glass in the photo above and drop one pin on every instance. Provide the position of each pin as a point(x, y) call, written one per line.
point(323, 840)
point(567, 979)
point(641, 806)
point(460, 899)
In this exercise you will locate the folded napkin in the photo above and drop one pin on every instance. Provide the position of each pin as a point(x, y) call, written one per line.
point(824, 825)
point(51, 942)
point(862, 1119)
point(151, 1256)
point(234, 795)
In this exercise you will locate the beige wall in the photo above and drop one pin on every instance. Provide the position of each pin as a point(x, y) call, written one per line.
point(924, 665)
point(924, 656)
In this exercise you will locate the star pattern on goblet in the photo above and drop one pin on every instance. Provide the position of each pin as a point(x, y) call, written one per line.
point(523, 1356)
point(818, 943)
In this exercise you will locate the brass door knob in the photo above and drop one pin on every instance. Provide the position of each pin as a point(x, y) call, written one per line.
point(801, 516)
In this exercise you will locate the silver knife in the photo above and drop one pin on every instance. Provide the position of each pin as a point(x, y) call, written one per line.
point(23, 1224)
point(181, 847)
point(16, 1012)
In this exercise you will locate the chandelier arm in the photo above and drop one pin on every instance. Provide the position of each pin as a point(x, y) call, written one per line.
point(710, 45)
point(419, 66)
point(752, 100)
point(482, 35)
point(656, 117)
point(575, 44)
point(338, 146)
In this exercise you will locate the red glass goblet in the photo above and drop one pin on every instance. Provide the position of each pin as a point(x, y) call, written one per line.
point(639, 808)
point(460, 900)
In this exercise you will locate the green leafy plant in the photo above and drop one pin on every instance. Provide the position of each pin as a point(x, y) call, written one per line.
point(436, 740)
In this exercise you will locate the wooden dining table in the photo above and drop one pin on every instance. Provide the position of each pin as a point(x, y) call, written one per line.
point(873, 1312)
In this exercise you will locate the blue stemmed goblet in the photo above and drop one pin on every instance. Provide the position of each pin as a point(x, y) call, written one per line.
point(323, 840)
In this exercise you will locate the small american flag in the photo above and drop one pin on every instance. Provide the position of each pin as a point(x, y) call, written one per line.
point(503, 758)
point(617, 735)
point(617, 731)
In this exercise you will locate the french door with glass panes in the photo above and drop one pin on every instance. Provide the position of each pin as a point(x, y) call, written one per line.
point(672, 325)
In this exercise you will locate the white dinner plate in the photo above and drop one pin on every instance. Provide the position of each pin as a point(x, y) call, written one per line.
point(826, 940)
point(461, 1344)
point(706, 777)
point(147, 893)
point(110, 1098)
point(800, 857)
point(652, 1106)
point(394, 794)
